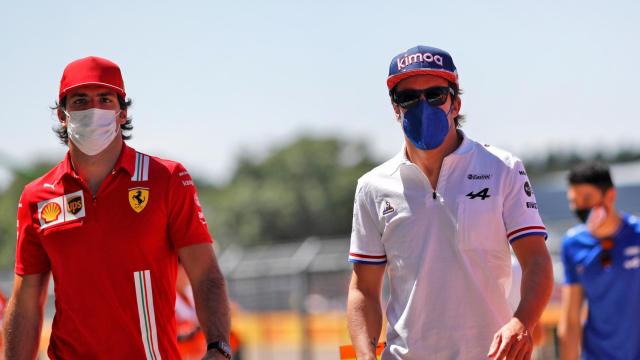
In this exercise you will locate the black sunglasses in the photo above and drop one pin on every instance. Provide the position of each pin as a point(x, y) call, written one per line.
point(435, 96)
point(606, 259)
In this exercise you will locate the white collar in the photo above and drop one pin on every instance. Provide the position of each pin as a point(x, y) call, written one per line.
point(401, 158)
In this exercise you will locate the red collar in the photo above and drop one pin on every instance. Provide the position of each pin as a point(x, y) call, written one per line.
point(126, 160)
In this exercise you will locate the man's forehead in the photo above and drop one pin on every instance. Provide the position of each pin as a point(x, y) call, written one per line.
point(585, 191)
point(91, 90)
point(421, 81)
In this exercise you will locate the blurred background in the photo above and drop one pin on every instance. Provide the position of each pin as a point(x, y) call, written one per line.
point(277, 107)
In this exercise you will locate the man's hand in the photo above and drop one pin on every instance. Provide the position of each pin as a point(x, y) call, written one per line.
point(597, 216)
point(214, 354)
point(512, 341)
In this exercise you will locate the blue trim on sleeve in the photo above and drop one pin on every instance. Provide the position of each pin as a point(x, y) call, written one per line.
point(367, 262)
point(527, 234)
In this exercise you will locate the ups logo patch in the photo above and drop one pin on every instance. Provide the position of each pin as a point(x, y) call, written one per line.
point(74, 205)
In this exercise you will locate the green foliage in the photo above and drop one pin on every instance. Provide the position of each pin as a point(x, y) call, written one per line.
point(566, 159)
point(303, 189)
point(9, 206)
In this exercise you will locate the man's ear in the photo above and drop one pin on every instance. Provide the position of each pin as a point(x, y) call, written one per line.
point(62, 117)
point(457, 105)
point(122, 116)
point(610, 197)
point(396, 110)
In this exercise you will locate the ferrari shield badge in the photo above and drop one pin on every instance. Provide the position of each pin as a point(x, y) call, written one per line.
point(138, 198)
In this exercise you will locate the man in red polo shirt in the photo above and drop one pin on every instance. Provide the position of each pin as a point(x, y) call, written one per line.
point(110, 223)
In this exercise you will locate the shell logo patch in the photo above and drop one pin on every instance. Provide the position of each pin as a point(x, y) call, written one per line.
point(50, 212)
point(138, 198)
point(61, 209)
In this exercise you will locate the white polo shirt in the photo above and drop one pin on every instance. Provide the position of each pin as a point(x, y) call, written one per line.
point(446, 249)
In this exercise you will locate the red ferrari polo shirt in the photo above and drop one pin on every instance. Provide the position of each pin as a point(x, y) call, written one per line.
point(113, 255)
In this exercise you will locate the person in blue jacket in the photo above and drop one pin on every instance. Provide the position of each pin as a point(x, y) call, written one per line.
point(601, 259)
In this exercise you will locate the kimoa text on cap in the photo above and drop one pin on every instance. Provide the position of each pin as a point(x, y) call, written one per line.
point(410, 59)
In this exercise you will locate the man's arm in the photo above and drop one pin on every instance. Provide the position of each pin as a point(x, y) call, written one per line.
point(514, 340)
point(364, 313)
point(23, 317)
point(570, 325)
point(209, 293)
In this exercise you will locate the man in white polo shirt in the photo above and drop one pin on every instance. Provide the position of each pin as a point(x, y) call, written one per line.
point(439, 217)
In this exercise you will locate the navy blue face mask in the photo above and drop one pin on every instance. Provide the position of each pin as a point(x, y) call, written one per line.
point(583, 214)
point(425, 125)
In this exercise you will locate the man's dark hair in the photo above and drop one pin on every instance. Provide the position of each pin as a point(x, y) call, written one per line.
point(594, 173)
point(61, 131)
point(459, 119)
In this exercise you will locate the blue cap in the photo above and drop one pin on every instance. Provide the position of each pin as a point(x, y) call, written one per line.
point(422, 60)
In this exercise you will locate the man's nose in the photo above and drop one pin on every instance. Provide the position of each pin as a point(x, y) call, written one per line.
point(93, 102)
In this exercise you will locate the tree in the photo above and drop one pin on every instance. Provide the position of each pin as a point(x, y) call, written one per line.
point(9, 207)
point(303, 189)
point(559, 159)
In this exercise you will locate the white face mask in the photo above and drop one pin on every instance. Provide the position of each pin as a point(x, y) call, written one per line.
point(92, 130)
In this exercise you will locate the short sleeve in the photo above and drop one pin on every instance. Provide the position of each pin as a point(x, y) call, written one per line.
point(366, 237)
point(31, 257)
point(570, 273)
point(520, 210)
point(187, 224)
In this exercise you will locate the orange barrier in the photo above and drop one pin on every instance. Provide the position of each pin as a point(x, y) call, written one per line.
point(281, 334)
point(348, 353)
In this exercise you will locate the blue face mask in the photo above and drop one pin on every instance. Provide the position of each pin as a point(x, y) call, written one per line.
point(425, 125)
